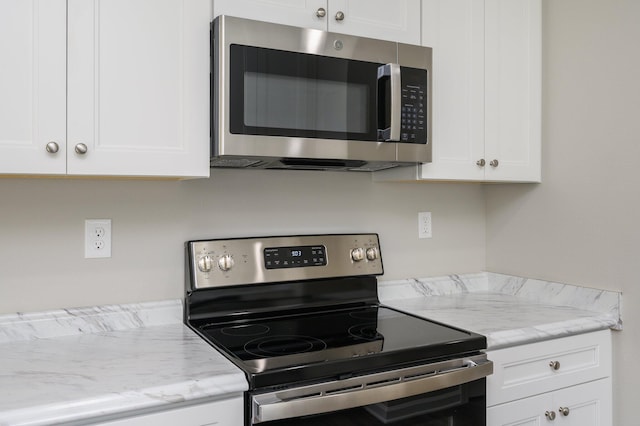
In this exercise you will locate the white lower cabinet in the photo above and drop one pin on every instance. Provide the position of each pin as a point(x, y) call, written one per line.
point(227, 412)
point(581, 405)
point(564, 381)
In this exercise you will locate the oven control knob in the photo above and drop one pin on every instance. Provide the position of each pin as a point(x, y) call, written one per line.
point(225, 262)
point(204, 263)
point(372, 253)
point(357, 254)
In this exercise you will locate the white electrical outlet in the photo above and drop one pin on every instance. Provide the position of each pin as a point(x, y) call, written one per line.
point(97, 238)
point(424, 225)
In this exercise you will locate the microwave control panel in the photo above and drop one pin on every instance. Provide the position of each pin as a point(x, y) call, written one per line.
point(414, 105)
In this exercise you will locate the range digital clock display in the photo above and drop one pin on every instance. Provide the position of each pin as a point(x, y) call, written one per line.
point(294, 257)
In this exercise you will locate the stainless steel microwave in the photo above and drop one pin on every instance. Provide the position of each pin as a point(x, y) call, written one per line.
point(296, 98)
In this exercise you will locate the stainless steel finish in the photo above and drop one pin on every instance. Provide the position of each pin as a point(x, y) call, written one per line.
point(551, 415)
point(372, 253)
point(351, 351)
point(357, 254)
point(370, 389)
point(249, 268)
point(205, 263)
point(555, 365)
point(339, 16)
point(256, 151)
point(396, 102)
point(564, 411)
point(225, 263)
point(81, 149)
point(481, 162)
point(494, 163)
point(321, 13)
point(52, 147)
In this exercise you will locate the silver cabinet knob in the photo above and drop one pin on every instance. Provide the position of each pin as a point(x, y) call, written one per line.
point(81, 149)
point(494, 163)
point(551, 415)
point(321, 13)
point(481, 162)
point(357, 254)
point(204, 263)
point(555, 365)
point(225, 262)
point(372, 253)
point(564, 411)
point(52, 147)
point(339, 16)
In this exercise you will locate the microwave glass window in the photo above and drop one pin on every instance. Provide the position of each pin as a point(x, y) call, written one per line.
point(293, 102)
point(282, 93)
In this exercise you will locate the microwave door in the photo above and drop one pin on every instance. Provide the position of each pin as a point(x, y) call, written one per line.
point(389, 102)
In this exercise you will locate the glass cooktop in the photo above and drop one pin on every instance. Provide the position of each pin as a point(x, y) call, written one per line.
point(294, 340)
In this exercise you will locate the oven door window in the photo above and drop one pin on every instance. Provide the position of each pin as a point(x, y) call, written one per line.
point(278, 93)
point(463, 405)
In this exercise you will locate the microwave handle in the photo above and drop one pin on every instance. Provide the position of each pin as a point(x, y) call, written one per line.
point(392, 71)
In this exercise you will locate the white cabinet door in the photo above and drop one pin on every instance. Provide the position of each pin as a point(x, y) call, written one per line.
point(524, 412)
point(228, 412)
point(398, 20)
point(299, 13)
point(486, 91)
point(32, 86)
point(389, 20)
point(513, 90)
point(585, 405)
point(138, 95)
point(455, 31)
point(588, 404)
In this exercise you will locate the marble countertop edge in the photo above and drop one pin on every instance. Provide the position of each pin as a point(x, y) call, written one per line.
point(507, 338)
point(115, 405)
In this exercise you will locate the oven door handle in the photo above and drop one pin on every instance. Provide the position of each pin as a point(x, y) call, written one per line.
point(281, 405)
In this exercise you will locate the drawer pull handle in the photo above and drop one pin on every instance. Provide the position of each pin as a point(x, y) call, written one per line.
point(564, 411)
point(551, 415)
point(555, 365)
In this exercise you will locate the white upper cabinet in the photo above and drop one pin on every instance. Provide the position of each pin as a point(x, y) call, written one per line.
point(139, 87)
point(455, 31)
point(397, 20)
point(513, 89)
point(486, 91)
point(120, 86)
point(32, 86)
point(301, 13)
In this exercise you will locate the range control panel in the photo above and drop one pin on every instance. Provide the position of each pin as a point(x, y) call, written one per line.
point(239, 261)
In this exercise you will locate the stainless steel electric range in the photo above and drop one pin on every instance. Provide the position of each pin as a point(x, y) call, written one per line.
point(300, 316)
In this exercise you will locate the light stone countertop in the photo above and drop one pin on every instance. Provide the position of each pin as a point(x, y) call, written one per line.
point(507, 310)
point(104, 362)
point(74, 365)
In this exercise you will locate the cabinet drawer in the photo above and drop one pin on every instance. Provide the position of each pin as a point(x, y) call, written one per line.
point(536, 368)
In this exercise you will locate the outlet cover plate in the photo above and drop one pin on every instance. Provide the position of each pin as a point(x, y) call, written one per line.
point(97, 238)
point(424, 225)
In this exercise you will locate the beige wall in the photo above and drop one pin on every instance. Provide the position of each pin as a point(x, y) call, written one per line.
point(581, 225)
point(42, 227)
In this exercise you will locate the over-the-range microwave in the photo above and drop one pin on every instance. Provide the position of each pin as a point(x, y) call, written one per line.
point(296, 98)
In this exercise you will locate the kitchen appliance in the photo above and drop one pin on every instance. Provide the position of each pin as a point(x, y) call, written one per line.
point(296, 98)
point(300, 316)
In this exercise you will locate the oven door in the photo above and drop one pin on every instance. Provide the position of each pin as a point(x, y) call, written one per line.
point(451, 393)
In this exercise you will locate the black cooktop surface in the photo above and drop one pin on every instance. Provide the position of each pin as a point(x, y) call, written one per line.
point(363, 337)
